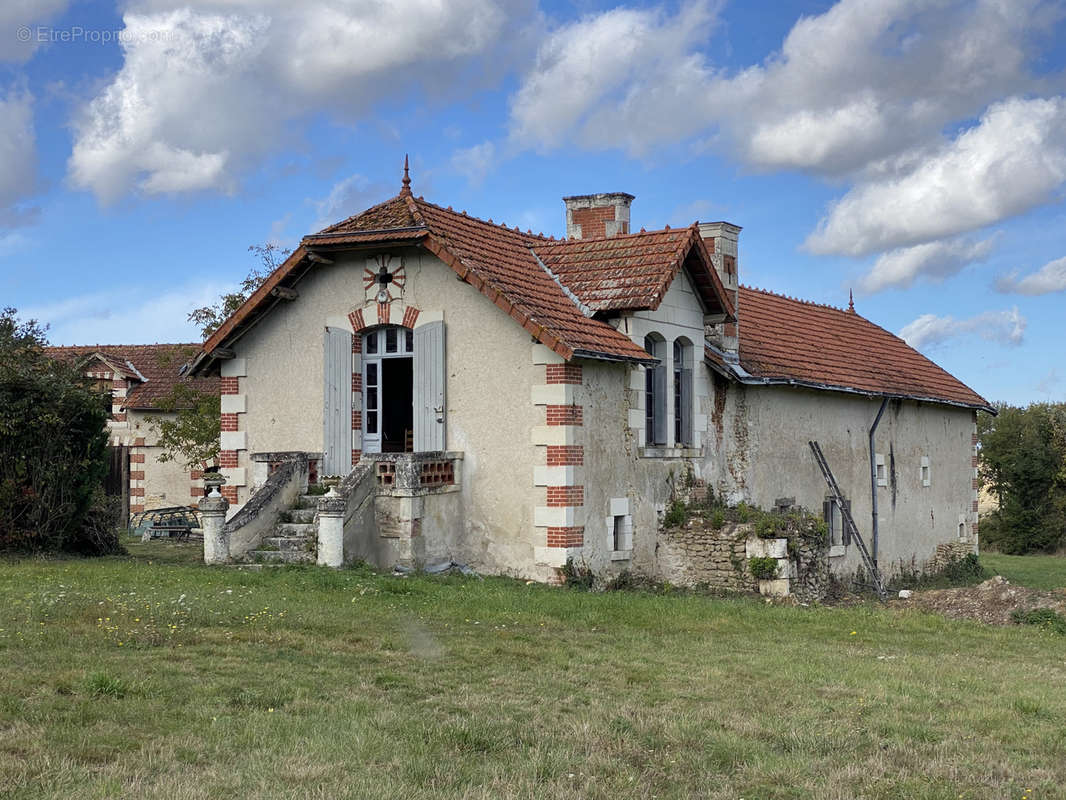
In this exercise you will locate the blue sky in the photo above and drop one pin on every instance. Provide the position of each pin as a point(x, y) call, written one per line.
point(913, 151)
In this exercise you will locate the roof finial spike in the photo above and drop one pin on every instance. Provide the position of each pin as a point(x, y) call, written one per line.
point(851, 301)
point(406, 177)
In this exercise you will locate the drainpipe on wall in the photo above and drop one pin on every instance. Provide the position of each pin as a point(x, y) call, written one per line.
point(873, 478)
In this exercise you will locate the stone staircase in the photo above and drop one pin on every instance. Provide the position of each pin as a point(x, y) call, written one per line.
point(294, 539)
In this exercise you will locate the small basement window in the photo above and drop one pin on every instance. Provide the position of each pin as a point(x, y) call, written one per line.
point(926, 480)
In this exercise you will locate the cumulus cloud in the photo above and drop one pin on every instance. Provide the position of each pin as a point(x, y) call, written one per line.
point(1013, 160)
point(861, 83)
point(1048, 279)
point(18, 158)
point(929, 331)
point(475, 162)
point(935, 261)
point(208, 85)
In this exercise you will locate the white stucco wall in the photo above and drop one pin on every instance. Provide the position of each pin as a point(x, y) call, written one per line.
point(758, 452)
point(489, 374)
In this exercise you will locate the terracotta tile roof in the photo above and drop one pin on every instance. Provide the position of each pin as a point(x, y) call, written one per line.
point(633, 271)
point(156, 364)
point(497, 260)
point(788, 340)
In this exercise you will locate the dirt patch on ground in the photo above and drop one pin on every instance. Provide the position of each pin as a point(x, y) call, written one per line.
point(992, 601)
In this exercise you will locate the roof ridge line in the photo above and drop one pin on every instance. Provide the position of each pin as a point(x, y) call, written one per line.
point(584, 309)
point(631, 234)
point(499, 225)
point(801, 300)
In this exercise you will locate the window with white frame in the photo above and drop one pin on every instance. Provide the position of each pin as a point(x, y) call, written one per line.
point(682, 385)
point(655, 392)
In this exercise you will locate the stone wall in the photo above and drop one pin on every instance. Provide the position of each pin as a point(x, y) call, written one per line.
point(947, 552)
point(699, 554)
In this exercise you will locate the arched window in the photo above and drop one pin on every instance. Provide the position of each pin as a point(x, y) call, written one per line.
point(683, 392)
point(655, 392)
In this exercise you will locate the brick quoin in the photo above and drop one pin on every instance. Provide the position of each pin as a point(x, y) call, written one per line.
point(565, 455)
point(138, 442)
point(383, 313)
point(228, 422)
point(136, 491)
point(975, 506)
point(227, 459)
point(973, 436)
point(357, 420)
point(565, 415)
point(357, 342)
point(136, 474)
point(136, 458)
point(566, 537)
point(357, 381)
point(196, 491)
point(228, 386)
point(356, 318)
point(566, 496)
point(976, 483)
point(974, 461)
point(563, 373)
point(356, 455)
point(136, 508)
point(196, 474)
point(229, 492)
point(410, 316)
point(120, 417)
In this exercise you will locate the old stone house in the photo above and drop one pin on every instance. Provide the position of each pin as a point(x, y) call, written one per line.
point(508, 401)
point(137, 377)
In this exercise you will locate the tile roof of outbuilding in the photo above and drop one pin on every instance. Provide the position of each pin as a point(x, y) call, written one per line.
point(784, 340)
point(158, 364)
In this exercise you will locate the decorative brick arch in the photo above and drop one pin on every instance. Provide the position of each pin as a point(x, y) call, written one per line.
point(373, 313)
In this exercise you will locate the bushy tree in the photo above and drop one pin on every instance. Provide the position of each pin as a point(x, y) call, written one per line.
point(53, 447)
point(1023, 465)
point(191, 435)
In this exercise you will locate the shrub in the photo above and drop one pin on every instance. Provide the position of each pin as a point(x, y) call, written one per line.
point(1046, 618)
point(675, 515)
point(53, 444)
point(578, 576)
point(763, 568)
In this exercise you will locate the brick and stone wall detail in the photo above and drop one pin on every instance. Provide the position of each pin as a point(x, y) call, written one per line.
point(233, 452)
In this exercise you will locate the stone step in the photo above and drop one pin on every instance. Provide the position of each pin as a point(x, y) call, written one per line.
point(288, 543)
point(301, 514)
point(282, 556)
point(309, 500)
point(306, 529)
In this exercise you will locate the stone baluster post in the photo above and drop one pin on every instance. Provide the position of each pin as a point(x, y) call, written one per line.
point(331, 508)
point(213, 509)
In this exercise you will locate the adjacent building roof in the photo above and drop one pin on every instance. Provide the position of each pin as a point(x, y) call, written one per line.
point(789, 341)
point(151, 369)
point(515, 270)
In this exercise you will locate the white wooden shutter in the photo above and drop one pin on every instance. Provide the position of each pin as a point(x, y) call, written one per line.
point(686, 408)
point(429, 401)
point(337, 372)
point(659, 405)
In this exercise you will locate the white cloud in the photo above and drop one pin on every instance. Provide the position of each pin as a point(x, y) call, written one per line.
point(20, 26)
point(617, 79)
point(1013, 160)
point(347, 197)
point(934, 261)
point(475, 162)
point(1048, 279)
point(18, 157)
point(929, 331)
point(209, 85)
point(125, 315)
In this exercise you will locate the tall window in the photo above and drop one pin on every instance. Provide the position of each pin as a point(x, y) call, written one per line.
point(683, 392)
point(655, 392)
point(834, 519)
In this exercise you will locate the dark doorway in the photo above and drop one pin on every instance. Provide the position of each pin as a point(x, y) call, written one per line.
point(397, 413)
point(117, 482)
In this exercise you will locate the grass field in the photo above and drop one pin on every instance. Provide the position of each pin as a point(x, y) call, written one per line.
point(1036, 572)
point(155, 677)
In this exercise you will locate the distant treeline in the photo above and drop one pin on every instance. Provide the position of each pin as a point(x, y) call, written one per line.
point(1023, 465)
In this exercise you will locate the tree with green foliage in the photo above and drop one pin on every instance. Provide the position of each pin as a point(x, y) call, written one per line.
point(53, 449)
point(189, 433)
point(211, 317)
point(1023, 464)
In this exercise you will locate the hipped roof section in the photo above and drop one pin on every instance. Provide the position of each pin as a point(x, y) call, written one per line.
point(515, 271)
point(788, 341)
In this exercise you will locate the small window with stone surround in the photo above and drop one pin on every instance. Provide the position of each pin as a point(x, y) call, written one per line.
point(839, 536)
point(619, 529)
point(927, 479)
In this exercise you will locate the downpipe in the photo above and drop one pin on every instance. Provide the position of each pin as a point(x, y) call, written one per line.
point(873, 479)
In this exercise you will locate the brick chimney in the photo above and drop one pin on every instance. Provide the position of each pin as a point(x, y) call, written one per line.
point(591, 215)
point(721, 241)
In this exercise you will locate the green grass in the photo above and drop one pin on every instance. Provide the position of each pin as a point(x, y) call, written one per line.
point(128, 679)
point(1036, 572)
